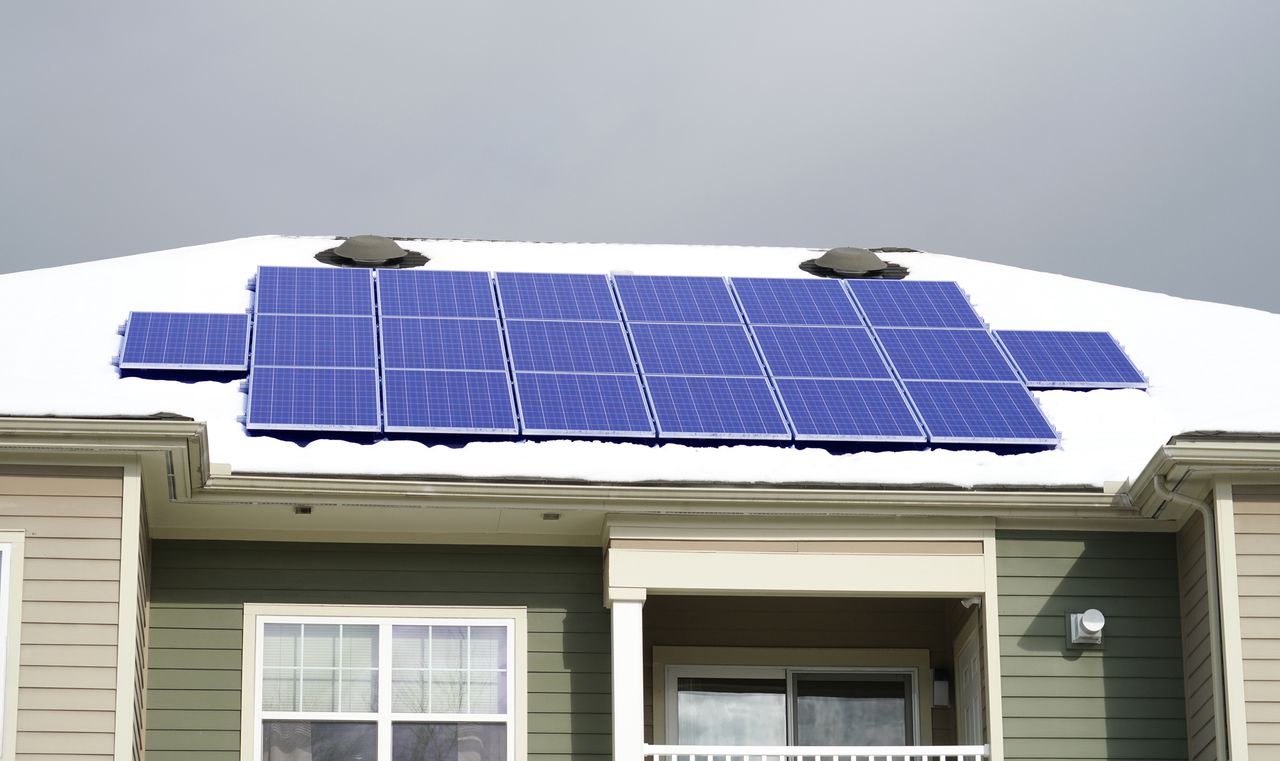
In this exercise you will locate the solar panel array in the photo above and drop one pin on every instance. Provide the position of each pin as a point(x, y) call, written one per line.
point(630, 356)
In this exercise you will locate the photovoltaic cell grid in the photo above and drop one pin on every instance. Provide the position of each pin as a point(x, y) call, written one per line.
point(569, 403)
point(569, 347)
point(444, 365)
point(173, 341)
point(913, 304)
point(715, 408)
point(313, 290)
point(983, 413)
point(920, 354)
point(1062, 359)
point(780, 301)
point(849, 410)
point(695, 349)
point(550, 296)
point(286, 340)
point(661, 298)
point(313, 399)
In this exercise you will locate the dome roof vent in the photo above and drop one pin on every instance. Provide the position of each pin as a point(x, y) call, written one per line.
point(851, 262)
point(371, 251)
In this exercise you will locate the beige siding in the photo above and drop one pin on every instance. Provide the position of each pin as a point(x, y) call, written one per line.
point(1197, 651)
point(1257, 512)
point(70, 593)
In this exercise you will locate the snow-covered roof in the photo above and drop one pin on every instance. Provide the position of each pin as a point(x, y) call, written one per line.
point(1211, 367)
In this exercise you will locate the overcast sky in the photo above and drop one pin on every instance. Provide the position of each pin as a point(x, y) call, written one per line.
point(1130, 142)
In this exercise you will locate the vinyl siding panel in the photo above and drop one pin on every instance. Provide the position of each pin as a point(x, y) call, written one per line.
point(1197, 623)
point(70, 591)
point(1126, 701)
point(198, 590)
point(1257, 524)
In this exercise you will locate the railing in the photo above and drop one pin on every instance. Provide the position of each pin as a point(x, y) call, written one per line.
point(817, 753)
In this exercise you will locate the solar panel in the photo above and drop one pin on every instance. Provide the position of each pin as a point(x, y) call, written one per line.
point(1061, 359)
point(695, 349)
point(814, 352)
point(848, 410)
point(311, 341)
point(448, 402)
point(715, 408)
point(442, 344)
point(569, 347)
point(314, 290)
point(780, 301)
point(981, 413)
point(549, 296)
point(913, 304)
point(579, 404)
point(919, 354)
point(173, 341)
point(435, 293)
point(658, 298)
point(313, 399)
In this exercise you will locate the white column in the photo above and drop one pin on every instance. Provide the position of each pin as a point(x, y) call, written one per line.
point(628, 679)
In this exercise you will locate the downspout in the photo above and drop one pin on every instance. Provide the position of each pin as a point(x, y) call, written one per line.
point(1215, 630)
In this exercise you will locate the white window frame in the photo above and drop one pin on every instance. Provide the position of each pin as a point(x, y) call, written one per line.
point(12, 549)
point(515, 619)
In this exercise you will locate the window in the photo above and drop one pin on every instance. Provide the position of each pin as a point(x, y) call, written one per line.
point(424, 685)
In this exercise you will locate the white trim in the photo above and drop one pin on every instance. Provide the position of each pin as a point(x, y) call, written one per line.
point(127, 629)
point(12, 552)
point(1229, 599)
point(515, 619)
point(627, 648)
point(991, 650)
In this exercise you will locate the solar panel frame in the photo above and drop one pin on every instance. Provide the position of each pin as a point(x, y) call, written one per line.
point(274, 334)
point(1026, 349)
point(569, 346)
point(490, 383)
point(913, 304)
point(692, 348)
point(461, 294)
point(938, 405)
point(676, 298)
point(572, 297)
point(236, 328)
point(271, 297)
point(795, 301)
point(263, 380)
point(533, 418)
point(899, 422)
point(795, 351)
point(663, 389)
point(429, 343)
point(945, 354)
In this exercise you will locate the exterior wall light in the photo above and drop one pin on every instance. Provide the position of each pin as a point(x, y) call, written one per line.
point(1085, 629)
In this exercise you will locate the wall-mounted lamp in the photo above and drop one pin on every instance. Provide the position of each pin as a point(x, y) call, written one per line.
point(1085, 629)
point(941, 688)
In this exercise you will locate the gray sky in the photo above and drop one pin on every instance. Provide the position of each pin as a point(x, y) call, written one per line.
point(1133, 142)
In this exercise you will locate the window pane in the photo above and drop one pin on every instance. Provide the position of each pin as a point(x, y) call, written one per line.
point(359, 687)
point(279, 690)
point(731, 711)
point(447, 647)
point(448, 692)
point(319, 689)
point(488, 692)
point(359, 647)
point(844, 709)
point(319, 741)
point(320, 646)
point(409, 691)
point(409, 648)
point(488, 647)
point(280, 645)
point(448, 742)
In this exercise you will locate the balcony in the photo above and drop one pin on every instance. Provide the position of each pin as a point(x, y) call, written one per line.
point(816, 753)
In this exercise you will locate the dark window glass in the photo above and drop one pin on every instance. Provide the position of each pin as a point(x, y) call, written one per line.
point(448, 742)
point(319, 741)
point(853, 709)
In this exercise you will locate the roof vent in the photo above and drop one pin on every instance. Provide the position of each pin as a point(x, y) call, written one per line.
point(371, 251)
point(850, 262)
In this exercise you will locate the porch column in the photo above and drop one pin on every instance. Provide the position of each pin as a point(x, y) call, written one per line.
point(628, 675)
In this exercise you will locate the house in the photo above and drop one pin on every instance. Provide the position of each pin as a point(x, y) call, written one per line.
point(176, 589)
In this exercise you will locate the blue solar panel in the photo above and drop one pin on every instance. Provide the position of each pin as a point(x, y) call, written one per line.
point(779, 301)
point(919, 354)
point(715, 408)
point(431, 344)
point(313, 399)
point(547, 296)
point(695, 349)
point(435, 293)
point(848, 410)
point(1061, 359)
point(569, 347)
point(448, 402)
point(656, 298)
point(171, 341)
point(310, 341)
point(800, 352)
point(595, 405)
point(914, 304)
point(314, 290)
point(980, 413)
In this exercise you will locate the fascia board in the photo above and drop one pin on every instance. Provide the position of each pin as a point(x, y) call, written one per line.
point(1198, 463)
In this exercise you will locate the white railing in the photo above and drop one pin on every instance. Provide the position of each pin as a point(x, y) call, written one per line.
point(817, 753)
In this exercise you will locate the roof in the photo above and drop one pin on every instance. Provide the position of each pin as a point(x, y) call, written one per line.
point(1211, 367)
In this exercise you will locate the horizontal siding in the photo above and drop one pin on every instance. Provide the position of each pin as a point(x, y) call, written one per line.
point(70, 591)
point(1257, 524)
point(1196, 624)
point(1126, 701)
point(198, 590)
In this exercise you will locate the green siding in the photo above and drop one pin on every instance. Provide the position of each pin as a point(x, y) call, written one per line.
point(199, 588)
point(1122, 702)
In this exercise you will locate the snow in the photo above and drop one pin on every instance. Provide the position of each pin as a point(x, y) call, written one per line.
point(1211, 366)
